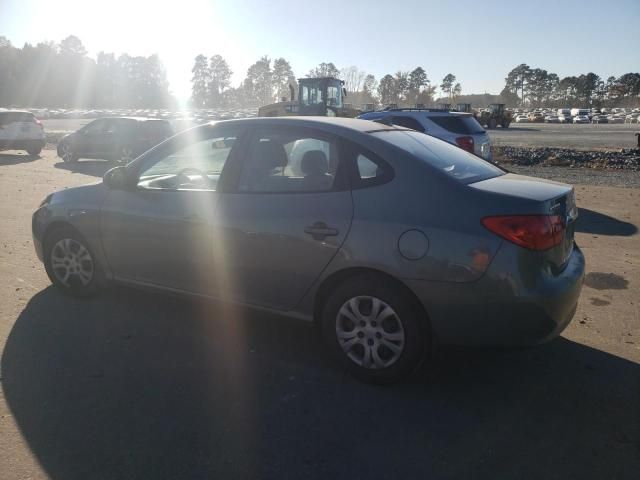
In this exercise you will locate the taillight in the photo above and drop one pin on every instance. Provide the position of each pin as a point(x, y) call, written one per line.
point(535, 232)
point(465, 143)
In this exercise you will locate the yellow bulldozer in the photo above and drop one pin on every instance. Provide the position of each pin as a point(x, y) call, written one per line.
point(316, 96)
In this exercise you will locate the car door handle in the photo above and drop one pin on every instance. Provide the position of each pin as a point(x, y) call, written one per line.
point(320, 230)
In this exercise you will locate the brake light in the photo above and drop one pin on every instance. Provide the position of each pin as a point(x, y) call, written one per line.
point(535, 232)
point(465, 143)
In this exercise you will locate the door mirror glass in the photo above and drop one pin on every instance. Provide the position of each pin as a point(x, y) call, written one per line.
point(116, 178)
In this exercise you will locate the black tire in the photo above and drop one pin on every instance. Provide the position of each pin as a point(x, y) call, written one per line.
point(407, 313)
point(34, 151)
point(75, 285)
point(505, 123)
point(492, 123)
point(67, 154)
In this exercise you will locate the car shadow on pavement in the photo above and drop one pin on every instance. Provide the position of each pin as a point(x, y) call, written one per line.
point(590, 221)
point(96, 168)
point(137, 385)
point(16, 158)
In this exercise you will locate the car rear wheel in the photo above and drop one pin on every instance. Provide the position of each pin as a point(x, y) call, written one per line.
point(34, 151)
point(374, 329)
point(70, 263)
point(67, 153)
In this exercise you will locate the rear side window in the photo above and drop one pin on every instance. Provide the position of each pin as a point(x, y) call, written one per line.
point(157, 128)
point(7, 118)
point(449, 159)
point(461, 124)
point(407, 122)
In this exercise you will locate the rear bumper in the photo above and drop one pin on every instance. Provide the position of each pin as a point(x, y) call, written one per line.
point(503, 308)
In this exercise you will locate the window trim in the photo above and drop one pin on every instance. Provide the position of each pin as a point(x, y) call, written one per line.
point(340, 182)
point(353, 150)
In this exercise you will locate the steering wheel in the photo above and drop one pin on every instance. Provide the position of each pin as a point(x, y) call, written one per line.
point(182, 178)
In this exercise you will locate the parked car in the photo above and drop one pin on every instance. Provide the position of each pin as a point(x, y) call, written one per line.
point(581, 119)
point(616, 119)
point(599, 119)
point(551, 119)
point(522, 119)
point(565, 118)
point(632, 118)
point(460, 129)
point(119, 138)
point(388, 238)
point(536, 117)
point(21, 130)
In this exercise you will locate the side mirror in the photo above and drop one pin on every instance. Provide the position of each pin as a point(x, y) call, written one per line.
point(116, 178)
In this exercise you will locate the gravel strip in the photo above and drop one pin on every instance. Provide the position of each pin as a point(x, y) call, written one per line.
point(580, 176)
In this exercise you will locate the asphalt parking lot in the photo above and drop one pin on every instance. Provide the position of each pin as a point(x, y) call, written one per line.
point(132, 384)
point(580, 136)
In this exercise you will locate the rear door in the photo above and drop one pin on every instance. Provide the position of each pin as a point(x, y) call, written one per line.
point(287, 218)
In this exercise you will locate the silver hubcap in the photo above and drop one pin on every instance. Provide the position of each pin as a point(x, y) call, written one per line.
point(67, 154)
point(370, 332)
point(126, 155)
point(71, 263)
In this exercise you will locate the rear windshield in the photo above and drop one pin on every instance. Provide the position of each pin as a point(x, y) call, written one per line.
point(10, 117)
point(462, 124)
point(449, 159)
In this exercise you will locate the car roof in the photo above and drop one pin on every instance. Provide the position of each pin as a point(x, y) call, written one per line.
point(15, 111)
point(325, 123)
point(410, 112)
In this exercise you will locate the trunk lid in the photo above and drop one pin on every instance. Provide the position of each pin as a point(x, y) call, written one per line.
point(536, 196)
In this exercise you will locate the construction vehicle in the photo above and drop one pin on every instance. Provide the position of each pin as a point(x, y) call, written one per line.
point(494, 115)
point(316, 96)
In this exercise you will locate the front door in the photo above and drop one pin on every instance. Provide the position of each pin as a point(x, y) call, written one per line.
point(89, 140)
point(160, 231)
point(287, 218)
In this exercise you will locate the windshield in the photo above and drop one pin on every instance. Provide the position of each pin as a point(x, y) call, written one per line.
point(455, 162)
point(311, 94)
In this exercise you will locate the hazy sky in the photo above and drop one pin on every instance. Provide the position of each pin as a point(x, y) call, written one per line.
point(478, 41)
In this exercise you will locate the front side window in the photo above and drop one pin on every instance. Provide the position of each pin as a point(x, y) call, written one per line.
point(407, 122)
point(286, 162)
point(195, 166)
point(311, 95)
point(334, 96)
point(95, 127)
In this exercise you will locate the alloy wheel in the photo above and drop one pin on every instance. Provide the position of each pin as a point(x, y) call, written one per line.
point(72, 263)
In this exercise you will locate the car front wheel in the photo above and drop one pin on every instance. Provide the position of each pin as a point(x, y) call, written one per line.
point(67, 153)
point(375, 329)
point(70, 263)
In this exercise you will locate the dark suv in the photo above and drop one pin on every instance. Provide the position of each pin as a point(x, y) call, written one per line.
point(121, 139)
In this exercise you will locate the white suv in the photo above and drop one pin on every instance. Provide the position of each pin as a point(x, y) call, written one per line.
point(20, 130)
point(460, 129)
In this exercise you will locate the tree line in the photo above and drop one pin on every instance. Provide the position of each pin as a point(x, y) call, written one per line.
point(62, 75)
point(269, 81)
point(536, 87)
